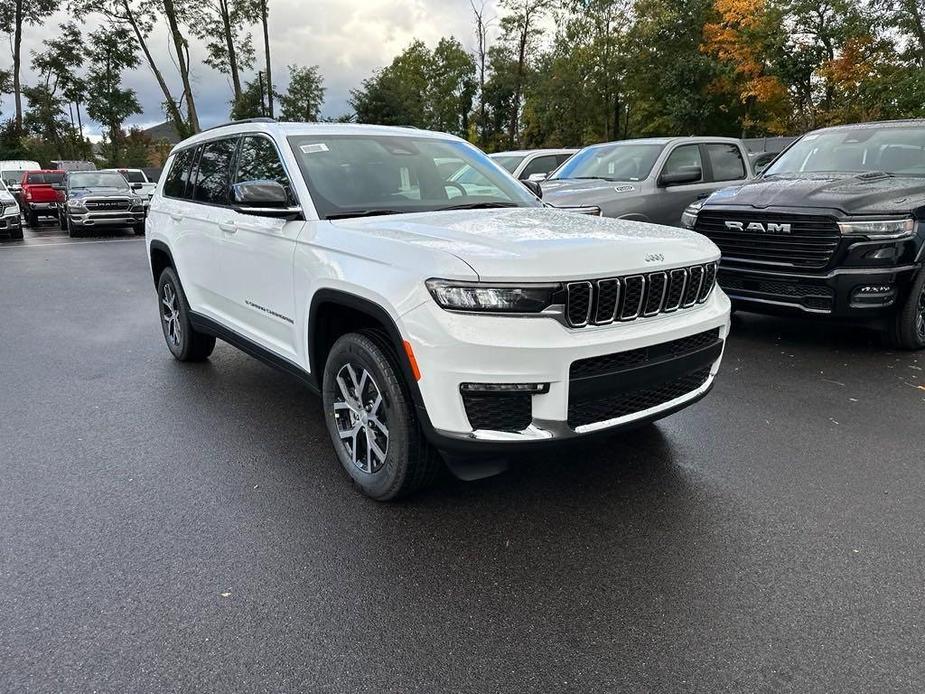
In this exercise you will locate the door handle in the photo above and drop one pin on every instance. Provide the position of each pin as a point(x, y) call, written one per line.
point(176, 217)
point(228, 227)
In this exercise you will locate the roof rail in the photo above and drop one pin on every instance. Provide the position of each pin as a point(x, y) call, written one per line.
point(262, 119)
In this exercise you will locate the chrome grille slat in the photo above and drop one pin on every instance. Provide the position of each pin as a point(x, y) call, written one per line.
point(604, 301)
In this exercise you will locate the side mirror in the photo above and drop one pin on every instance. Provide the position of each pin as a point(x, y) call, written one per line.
point(685, 174)
point(136, 186)
point(537, 177)
point(533, 187)
point(263, 198)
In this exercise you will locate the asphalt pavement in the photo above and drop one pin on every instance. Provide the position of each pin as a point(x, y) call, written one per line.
point(170, 527)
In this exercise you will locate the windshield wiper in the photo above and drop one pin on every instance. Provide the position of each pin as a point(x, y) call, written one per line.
point(479, 206)
point(590, 178)
point(363, 213)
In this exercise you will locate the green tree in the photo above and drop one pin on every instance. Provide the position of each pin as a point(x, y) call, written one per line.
point(520, 32)
point(111, 51)
point(451, 88)
point(14, 15)
point(223, 27)
point(251, 103)
point(304, 96)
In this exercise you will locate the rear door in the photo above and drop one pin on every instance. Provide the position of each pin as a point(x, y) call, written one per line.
point(257, 255)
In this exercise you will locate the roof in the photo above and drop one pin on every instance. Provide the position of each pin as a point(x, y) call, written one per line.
point(526, 152)
point(903, 123)
point(288, 129)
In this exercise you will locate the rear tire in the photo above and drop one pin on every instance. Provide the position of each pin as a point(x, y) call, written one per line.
point(184, 342)
point(372, 421)
point(32, 219)
point(908, 329)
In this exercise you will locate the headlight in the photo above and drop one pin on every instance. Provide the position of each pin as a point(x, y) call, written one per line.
point(492, 297)
point(689, 216)
point(75, 204)
point(888, 228)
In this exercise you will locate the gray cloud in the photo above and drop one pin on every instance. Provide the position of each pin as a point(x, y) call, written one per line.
point(347, 39)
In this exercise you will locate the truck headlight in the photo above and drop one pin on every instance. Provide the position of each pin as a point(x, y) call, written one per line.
point(76, 205)
point(492, 297)
point(881, 228)
point(689, 216)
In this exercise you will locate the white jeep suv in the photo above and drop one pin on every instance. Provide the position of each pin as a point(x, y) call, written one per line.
point(429, 314)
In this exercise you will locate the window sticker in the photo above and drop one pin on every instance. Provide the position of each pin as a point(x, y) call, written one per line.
point(314, 147)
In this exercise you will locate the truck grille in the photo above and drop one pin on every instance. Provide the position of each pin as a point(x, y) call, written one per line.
point(618, 361)
point(810, 243)
point(107, 205)
point(627, 298)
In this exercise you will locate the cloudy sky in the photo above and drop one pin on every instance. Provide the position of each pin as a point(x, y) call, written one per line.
point(347, 39)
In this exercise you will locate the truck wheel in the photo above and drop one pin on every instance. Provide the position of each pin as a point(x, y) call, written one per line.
point(371, 419)
point(32, 219)
point(908, 329)
point(139, 229)
point(183, 341)
point(16, 234)
point(72, 231)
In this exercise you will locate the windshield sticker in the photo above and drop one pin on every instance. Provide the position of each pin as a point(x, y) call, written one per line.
point(624, 189)
point(314, 147)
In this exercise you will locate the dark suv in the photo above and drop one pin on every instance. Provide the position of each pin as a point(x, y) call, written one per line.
point(832, 228)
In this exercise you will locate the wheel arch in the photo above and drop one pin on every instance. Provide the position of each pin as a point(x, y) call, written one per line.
point(161, 258)
point(334, 312)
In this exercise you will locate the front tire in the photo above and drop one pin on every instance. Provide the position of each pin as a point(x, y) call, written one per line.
point(908, 329)
point(139, 229)
point(372, 421)
point(184, 342)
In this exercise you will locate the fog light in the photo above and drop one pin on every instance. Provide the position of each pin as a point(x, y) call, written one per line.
point(887, 253)
point(532, 388)
point(873, 295)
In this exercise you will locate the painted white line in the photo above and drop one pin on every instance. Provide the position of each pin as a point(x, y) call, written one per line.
point(64, 243)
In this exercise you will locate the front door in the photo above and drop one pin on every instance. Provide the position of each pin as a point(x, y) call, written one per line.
point(257, 255)
point(673, 199)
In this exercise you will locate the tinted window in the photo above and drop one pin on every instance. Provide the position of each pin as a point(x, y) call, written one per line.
point(562, 158)
point(179, 174)
point(726, 161)
point(684, 158)
point(44, 178)
point(355, 174)
point(508, 162)
point(134, 176)
point(96, 179)
point(630, 161)
point(895, 149)
point(259, 161)
point(214, 172)
point(543, 164)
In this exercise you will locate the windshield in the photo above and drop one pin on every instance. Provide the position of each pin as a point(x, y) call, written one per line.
point(508, 161)
point(97, 179)
point(44, 178)
point(898, 150)
point(12, 178)
point(355, 175)
point(614, 162)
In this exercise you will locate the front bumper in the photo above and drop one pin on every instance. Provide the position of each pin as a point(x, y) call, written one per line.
point(849, 293)
point(10, 221)
point(113, 218)
point(454, 349)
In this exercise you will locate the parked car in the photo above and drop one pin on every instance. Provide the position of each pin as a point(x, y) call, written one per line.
point(94, 199)
point(533, 164)
point(40, 194)
point(426, 317)
point(10, 224)
point(73, 165)
point(138, 181)
point(11, 171)
point(832, 229)
point(649, 180)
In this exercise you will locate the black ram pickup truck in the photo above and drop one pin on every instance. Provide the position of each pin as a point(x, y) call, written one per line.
point(834, 227)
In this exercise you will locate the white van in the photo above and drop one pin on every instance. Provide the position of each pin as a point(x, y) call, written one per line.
point(11, 171)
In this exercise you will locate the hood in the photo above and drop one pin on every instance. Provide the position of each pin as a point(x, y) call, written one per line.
point(540, 244)
point(848, 193)
point(586, 192)
point(100, 193)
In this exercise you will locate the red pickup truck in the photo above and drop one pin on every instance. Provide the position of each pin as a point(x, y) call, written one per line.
point(41, 193)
